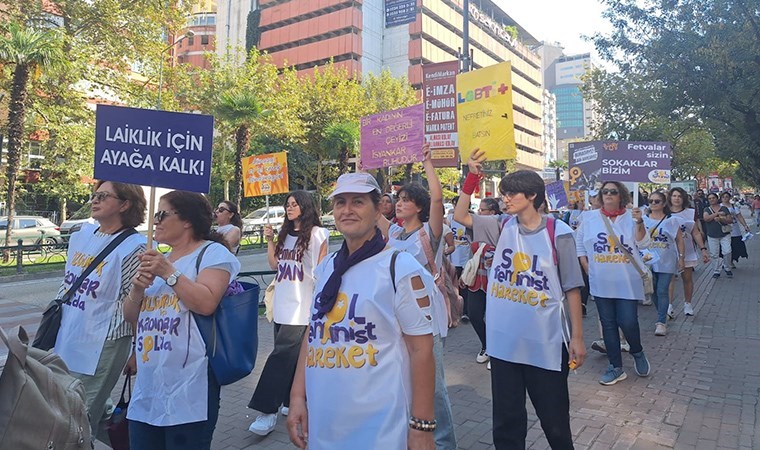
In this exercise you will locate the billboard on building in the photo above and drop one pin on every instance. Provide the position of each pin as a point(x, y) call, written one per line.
point(484, 111)
point(439, 97)
point(400, 12)
point(594, 162)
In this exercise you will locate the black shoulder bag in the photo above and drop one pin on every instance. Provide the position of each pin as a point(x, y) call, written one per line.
point(47, 332)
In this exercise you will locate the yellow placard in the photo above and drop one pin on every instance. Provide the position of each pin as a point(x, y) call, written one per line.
point(265, 174)
point(484, 112)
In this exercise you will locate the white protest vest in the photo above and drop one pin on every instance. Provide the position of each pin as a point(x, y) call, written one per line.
point(524, 311)
point(663, 243)
point(172, 368)
point(413, 246)
point(295, 279)
point(611, 275)
point(358, 373)
point(86, 318)
point(687, 224)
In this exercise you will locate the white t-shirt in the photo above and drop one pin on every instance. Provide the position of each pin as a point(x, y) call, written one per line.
point(611, 275)
point(86, 318)
point(172, 382)
point(223, 230)
point(664, 243)
point(295, 278)
point(462, 241)
point(358, 374)
point(736, 228)
point(413, 246)
point(687, 224)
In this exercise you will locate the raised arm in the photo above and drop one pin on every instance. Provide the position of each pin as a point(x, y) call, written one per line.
point(462, 208)
point(436, 195)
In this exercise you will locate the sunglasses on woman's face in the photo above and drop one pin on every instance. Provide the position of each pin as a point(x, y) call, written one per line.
point(610, 192)
point(654, 201)
point(221, 209)
point(159, 216)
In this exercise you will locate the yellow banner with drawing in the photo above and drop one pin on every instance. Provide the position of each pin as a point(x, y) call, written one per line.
point(265, 174)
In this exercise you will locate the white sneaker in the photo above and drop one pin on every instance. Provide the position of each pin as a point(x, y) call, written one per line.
point(284, 411)
point(489, 365)
point(625, 346)
point(482, 357)
point(660, 329)
point(647, 300)
point(264, 424)
point(671, 312)
point(687, 309)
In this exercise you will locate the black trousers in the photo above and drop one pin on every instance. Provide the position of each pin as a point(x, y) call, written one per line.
point(476, 311)
point(548, 393)
point(276, 379)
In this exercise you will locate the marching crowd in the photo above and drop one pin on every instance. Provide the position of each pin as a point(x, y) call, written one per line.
point(357, 361)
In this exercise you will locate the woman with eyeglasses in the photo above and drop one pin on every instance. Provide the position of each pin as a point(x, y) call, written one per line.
point(738, 228)
point(605, 239)
point(680, 208)
point(717, 218)
point(95, 337)
point(230, 224)
point(175, 402)
point(667, 244)
point(301, 245)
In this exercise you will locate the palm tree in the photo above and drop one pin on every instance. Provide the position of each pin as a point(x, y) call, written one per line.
point(29, 51)
point(243, 110)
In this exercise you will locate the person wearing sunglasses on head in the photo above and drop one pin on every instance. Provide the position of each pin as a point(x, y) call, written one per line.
point(95, 339)
point(667, 243)
point(614, 281)
point(175, 402)
point(230, 224)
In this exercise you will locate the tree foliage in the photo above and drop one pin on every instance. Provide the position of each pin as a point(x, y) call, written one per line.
point(703, 57)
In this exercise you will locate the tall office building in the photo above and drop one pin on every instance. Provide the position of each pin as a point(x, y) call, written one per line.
point(369, 35)
point(549, 121)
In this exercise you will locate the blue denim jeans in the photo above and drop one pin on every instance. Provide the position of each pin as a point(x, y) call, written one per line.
point(661, 295)
point(187, 436)
point(444, 431)
point(617, 313)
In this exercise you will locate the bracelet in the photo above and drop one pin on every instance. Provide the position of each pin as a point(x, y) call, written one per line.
point(703, 248)
point(471, 183)
point(422, 425)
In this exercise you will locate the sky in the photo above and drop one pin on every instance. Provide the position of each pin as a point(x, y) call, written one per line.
point(562, 21)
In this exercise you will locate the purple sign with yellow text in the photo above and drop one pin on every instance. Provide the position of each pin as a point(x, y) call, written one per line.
point(392, 138)
point(594, 162)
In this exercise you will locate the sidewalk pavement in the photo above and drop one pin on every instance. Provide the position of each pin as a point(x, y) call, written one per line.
point(702, 393)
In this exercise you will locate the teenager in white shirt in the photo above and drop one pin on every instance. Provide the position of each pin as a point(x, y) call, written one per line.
point(614, 282)
point(535, 269)
point(301, 245)
point(365, 376)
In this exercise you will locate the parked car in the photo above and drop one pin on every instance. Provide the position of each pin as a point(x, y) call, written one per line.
point(328, 220)
point(275, 216)
point(31, 230)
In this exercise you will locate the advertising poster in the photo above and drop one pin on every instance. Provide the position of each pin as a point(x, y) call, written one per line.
point(728, 184)
point(556, 196)
point(440, 100)
point(400, 12)
point(714, 183)
point(153, 148)
point(392, 138)
point(265, 174)
point(594, 162)
point(484, 112)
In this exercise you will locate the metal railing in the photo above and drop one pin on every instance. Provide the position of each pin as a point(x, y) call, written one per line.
point(40, 253)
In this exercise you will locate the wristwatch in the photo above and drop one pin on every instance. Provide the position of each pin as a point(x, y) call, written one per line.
point(171, 280)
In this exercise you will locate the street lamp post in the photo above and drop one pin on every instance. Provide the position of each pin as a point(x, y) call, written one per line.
point(188, 34)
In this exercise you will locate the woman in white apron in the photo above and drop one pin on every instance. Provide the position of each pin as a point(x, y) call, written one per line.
point(230, 224)
point(94, 339)
point(175, 402)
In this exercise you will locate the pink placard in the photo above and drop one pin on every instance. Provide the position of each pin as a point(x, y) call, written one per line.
point(392, 138)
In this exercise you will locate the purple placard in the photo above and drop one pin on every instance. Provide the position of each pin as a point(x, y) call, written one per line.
point(593, 162)
point(556, 196)
point(392, 138)
point(153, 148)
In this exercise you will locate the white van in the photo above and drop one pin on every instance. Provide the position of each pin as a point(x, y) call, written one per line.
point(274, 216)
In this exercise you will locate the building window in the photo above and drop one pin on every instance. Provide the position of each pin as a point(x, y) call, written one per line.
point(190, 41)
point(204, 39)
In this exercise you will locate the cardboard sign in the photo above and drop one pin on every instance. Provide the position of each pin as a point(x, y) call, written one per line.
point(594, 162)
point(484, 112)
point(714, 183)
point(440, 99)
point(265, 174)
point(392, 138)
point(153, 148)
point(556, 197)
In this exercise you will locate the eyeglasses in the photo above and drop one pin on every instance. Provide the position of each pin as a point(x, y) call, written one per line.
point(610, 192)
point(102, 196)
point(222, 210)
point(159, 216)
point(654, 201)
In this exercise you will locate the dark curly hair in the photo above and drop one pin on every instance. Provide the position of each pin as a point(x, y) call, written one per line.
point(134, 194)
point(308, 219)
point(420, 197)
point(684, 196)
point(195, 209)
point(665, 203)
